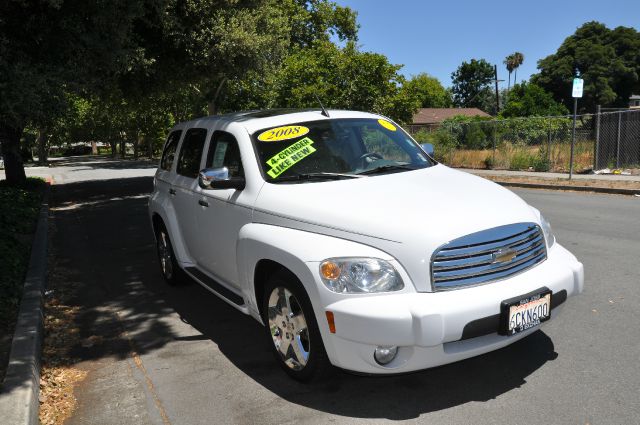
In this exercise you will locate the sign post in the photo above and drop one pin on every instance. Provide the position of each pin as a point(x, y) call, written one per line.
point(578, 84)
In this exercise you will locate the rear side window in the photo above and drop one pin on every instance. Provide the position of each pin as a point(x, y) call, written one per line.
point(191, 152)
point(169, 153)
point(224, 152)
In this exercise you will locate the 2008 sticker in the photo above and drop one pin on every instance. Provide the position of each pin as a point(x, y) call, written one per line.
point(283, 133)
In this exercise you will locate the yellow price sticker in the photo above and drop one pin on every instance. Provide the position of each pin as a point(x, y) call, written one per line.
point(386, 124)
point(290, 156)
point(283, 133)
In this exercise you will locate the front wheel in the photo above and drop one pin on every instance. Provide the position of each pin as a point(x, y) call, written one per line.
point(292, 329)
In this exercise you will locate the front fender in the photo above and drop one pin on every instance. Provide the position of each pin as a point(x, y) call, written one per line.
point(293, 249)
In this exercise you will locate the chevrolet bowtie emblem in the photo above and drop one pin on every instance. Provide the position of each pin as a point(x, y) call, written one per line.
point(503, 255)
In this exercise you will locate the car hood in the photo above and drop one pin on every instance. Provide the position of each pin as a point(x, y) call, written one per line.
point(406, 214)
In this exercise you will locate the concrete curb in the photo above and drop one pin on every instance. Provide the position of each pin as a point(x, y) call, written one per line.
point(19, 404)
point(610, 190)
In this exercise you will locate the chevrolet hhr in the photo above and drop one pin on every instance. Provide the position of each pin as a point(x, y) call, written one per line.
point(350, 243)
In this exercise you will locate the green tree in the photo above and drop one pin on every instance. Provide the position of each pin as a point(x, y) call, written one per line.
point(529, 99)
point(344, 78)
point(517, 59)
point(48, 46)
point(512, 63)
point(472, 85)
point(318, 20)
point(608, 60)
point(221, 43)
point(428, 91)
point(509, 64)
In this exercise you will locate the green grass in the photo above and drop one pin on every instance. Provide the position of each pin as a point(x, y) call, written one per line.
point(19, 209)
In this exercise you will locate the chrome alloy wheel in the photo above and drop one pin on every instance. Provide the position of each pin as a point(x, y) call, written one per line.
point(164, 254)
point(288, 328)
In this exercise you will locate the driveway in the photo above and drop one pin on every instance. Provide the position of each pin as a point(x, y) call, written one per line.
point(169, 355)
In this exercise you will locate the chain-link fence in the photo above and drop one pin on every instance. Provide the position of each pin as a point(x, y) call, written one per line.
point(610, 139)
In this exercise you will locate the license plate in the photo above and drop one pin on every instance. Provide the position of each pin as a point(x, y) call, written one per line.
point(525, 312)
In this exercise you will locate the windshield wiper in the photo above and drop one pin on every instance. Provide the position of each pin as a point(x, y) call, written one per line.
point(387, 167)
point(316, 176)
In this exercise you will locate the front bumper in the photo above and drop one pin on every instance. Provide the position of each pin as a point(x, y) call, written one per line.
point(432, 329)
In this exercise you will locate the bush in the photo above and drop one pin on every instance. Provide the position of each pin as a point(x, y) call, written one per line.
point(521, 160)
point(442, 140)
point(19, 209)
point(488, 162)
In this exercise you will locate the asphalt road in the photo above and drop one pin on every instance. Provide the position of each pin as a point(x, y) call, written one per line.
point(163, 355)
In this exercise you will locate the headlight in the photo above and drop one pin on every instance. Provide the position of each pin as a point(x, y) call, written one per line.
point(548, 233)
point(546, 228)
point(359, 275)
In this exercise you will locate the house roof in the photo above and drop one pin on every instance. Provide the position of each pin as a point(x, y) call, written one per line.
point(634, 97)
point(437, 115)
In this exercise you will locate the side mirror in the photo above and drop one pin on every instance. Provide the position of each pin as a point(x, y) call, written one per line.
point(428, 148)
point(218, 178)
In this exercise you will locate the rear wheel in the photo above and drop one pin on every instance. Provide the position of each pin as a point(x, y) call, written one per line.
point(169, 267)
point(292, 329)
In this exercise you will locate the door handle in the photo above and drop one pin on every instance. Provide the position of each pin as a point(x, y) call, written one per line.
point(172, 191)
point(203, 202)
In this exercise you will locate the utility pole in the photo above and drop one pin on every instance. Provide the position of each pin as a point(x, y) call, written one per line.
point(495, 71)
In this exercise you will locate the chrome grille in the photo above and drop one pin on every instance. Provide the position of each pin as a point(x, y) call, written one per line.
point(488, 255)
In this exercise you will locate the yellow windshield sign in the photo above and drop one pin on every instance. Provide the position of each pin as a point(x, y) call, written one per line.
point(386, 124)
point(283, 133)
point(288, 157)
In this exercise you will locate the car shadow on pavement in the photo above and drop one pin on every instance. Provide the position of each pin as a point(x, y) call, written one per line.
point(105, 248)
point(243, 342)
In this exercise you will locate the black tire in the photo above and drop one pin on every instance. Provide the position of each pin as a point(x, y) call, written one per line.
point(169, 267)
point(317, 364)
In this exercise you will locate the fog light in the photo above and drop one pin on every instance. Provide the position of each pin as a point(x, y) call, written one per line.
point(384, 355)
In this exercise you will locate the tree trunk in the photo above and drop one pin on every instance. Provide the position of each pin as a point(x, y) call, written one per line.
point(212, 105)
point(136, 145)
point(149, 146)
point(123, 147)
point(10, 148)
point(43, 150)
point(114, 146)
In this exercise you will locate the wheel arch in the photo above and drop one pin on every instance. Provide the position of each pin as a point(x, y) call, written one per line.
point(157, 223)
point(265, 268)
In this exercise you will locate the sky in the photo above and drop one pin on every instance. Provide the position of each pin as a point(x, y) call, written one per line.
point(436, 36)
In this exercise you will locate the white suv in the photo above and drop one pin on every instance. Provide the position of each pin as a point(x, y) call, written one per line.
point(342, 235)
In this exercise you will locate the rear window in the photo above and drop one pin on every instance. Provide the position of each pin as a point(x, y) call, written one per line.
point(191, 152)
point(169, 153)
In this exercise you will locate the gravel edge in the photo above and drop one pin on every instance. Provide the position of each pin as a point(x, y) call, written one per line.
point(595, 189)
point(19, 402)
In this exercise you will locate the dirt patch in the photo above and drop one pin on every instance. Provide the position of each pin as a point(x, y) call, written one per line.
point(58, 375)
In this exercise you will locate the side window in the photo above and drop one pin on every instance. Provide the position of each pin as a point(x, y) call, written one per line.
point(224, 152)
point(169, 153)
point(191, 152)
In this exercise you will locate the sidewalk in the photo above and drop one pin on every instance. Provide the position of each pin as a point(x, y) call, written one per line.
point(603, 183)
point(565, 176)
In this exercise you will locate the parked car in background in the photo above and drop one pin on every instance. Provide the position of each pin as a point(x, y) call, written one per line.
point(350, 243)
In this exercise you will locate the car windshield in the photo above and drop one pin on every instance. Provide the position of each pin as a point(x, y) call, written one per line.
point(336, 148)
